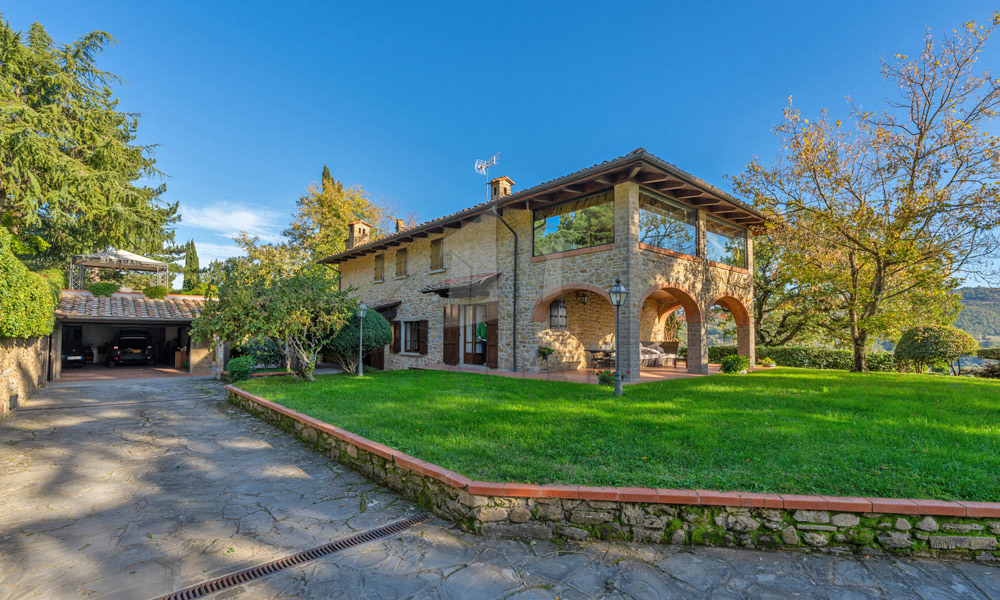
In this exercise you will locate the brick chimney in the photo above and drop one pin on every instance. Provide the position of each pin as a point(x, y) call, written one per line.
point(500, 188)
point(400, 225)
point(358, 233)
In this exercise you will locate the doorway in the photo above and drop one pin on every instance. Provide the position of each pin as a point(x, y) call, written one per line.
point(472, 324)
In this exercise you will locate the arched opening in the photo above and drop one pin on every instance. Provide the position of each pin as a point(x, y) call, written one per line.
point(670, 329)
point(572, 320)
point(736, 323)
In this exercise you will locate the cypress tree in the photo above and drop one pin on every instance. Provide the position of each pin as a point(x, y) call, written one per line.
point(192, 268)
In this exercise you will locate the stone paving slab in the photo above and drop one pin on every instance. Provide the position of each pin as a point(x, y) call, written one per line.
point(137, 488)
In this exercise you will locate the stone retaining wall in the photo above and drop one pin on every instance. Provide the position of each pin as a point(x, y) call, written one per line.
point(698, 517)
point(22, 369)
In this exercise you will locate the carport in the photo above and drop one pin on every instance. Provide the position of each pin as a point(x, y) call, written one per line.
point(95, 322)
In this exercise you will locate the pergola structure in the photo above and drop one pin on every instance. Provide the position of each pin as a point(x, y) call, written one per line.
point(121, 260)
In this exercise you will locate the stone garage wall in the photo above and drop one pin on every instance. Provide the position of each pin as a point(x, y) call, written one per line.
point(22, 369)
point(966, 530)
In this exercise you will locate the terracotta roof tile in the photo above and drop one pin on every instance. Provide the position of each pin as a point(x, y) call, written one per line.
point(120, 306)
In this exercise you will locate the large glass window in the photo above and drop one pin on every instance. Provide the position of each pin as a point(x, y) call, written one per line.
point(668, 225)
point(579, 223)
point(725, 243)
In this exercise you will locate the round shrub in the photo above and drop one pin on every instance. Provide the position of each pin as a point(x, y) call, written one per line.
point(156, 292)
point(343, 348)
point(241, 368)
point(934, 345)
point(103, 288)
point(734, 363)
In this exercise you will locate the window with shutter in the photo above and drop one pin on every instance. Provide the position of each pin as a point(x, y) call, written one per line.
point(379, 267)
point(400, 262)
point(422, 337)
point(437, 254)
point(397, 338)
point(411, 336)
point(557, 314)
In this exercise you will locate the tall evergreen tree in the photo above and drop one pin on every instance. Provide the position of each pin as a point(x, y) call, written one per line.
point(69, 164)
point(192, 268)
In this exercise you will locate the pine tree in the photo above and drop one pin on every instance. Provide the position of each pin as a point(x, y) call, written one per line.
point(71, 171)
point(192, 268)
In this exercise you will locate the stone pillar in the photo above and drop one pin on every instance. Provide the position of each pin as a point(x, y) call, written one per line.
point(56, 350)
point(627, 245)
point(697, 348)
point(745, 341)
point(747, 332)
point(700, 225)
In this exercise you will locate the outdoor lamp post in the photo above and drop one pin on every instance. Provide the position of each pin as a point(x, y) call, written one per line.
point(362, 308)
point(618, 294)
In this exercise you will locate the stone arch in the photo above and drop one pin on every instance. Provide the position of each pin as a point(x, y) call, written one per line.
point(697, 361)
point(685, 298)
point(735, 306)
point(539, 312)
point(744, 325)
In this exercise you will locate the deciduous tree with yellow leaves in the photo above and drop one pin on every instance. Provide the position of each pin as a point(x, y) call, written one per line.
point(879, 216)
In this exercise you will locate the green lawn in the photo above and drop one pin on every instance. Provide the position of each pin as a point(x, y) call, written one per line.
point(787, 430)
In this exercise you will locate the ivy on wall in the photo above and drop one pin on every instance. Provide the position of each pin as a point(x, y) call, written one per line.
point(27, 300)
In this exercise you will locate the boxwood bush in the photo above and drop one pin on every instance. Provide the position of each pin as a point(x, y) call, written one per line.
point(734, 363)
point(808, 357)
point(27, 300)
point(240, 368)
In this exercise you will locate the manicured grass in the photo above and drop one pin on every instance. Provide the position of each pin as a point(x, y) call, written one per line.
point(783, 431)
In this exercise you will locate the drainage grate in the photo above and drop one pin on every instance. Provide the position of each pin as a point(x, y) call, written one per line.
point(227, 581)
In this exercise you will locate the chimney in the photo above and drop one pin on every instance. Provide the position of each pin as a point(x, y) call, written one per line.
point(357, 234)
point(400, 225)
point(500, 188)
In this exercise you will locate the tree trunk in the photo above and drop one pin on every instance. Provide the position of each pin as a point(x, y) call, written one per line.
point(859, 340)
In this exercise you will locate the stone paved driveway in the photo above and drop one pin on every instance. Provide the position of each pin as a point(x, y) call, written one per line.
point(138, 488)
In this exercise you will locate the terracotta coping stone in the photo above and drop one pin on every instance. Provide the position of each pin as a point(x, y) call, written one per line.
point(633, 494)
point(456, 481)
point(752, 500)
point(939, 508)
point(644, 495)
point(522, 490)
point(849, 504)
point(981, 509)
point(485, 488)
point(714, 498)
point(667, 496)
point(900, 506)
point(607, 494)
point(801, 502)
point(569, 492)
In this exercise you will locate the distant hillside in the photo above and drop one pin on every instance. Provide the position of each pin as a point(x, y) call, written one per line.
point(980, 314)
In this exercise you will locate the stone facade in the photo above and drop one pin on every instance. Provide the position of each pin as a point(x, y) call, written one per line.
point(659, 282)
point(22, 370)
point(762, 521)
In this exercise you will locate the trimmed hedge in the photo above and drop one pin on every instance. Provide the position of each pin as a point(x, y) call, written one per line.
point(808, 357)
point(27, 300)
point(989, 353)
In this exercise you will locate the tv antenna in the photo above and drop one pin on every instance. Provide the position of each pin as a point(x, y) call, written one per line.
point(483, 168)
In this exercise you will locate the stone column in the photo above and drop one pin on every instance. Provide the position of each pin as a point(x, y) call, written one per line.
point(697, 348)
point(627, 245)
point(56, 350)
point(700, 225)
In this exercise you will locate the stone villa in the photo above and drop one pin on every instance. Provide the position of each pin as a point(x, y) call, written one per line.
point(487, 286)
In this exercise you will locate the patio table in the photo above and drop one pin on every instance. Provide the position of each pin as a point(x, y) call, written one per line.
point(601, 359)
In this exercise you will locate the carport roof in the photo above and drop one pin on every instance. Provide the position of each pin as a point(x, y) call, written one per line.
point(123, 306)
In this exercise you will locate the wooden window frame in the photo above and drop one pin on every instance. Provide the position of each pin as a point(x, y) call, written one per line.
point(401, 258)
point(437, 262)
point(556, 306)
point(379, 267)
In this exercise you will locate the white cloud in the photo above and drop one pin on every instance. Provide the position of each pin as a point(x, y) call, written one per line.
point(227, 219)
point(207, 252)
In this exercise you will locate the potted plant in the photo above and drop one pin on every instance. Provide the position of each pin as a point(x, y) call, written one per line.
point(544, 352)
point(606, 377)
point(766, 363)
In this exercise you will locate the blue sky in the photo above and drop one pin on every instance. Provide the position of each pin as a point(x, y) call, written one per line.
point(248, 100)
